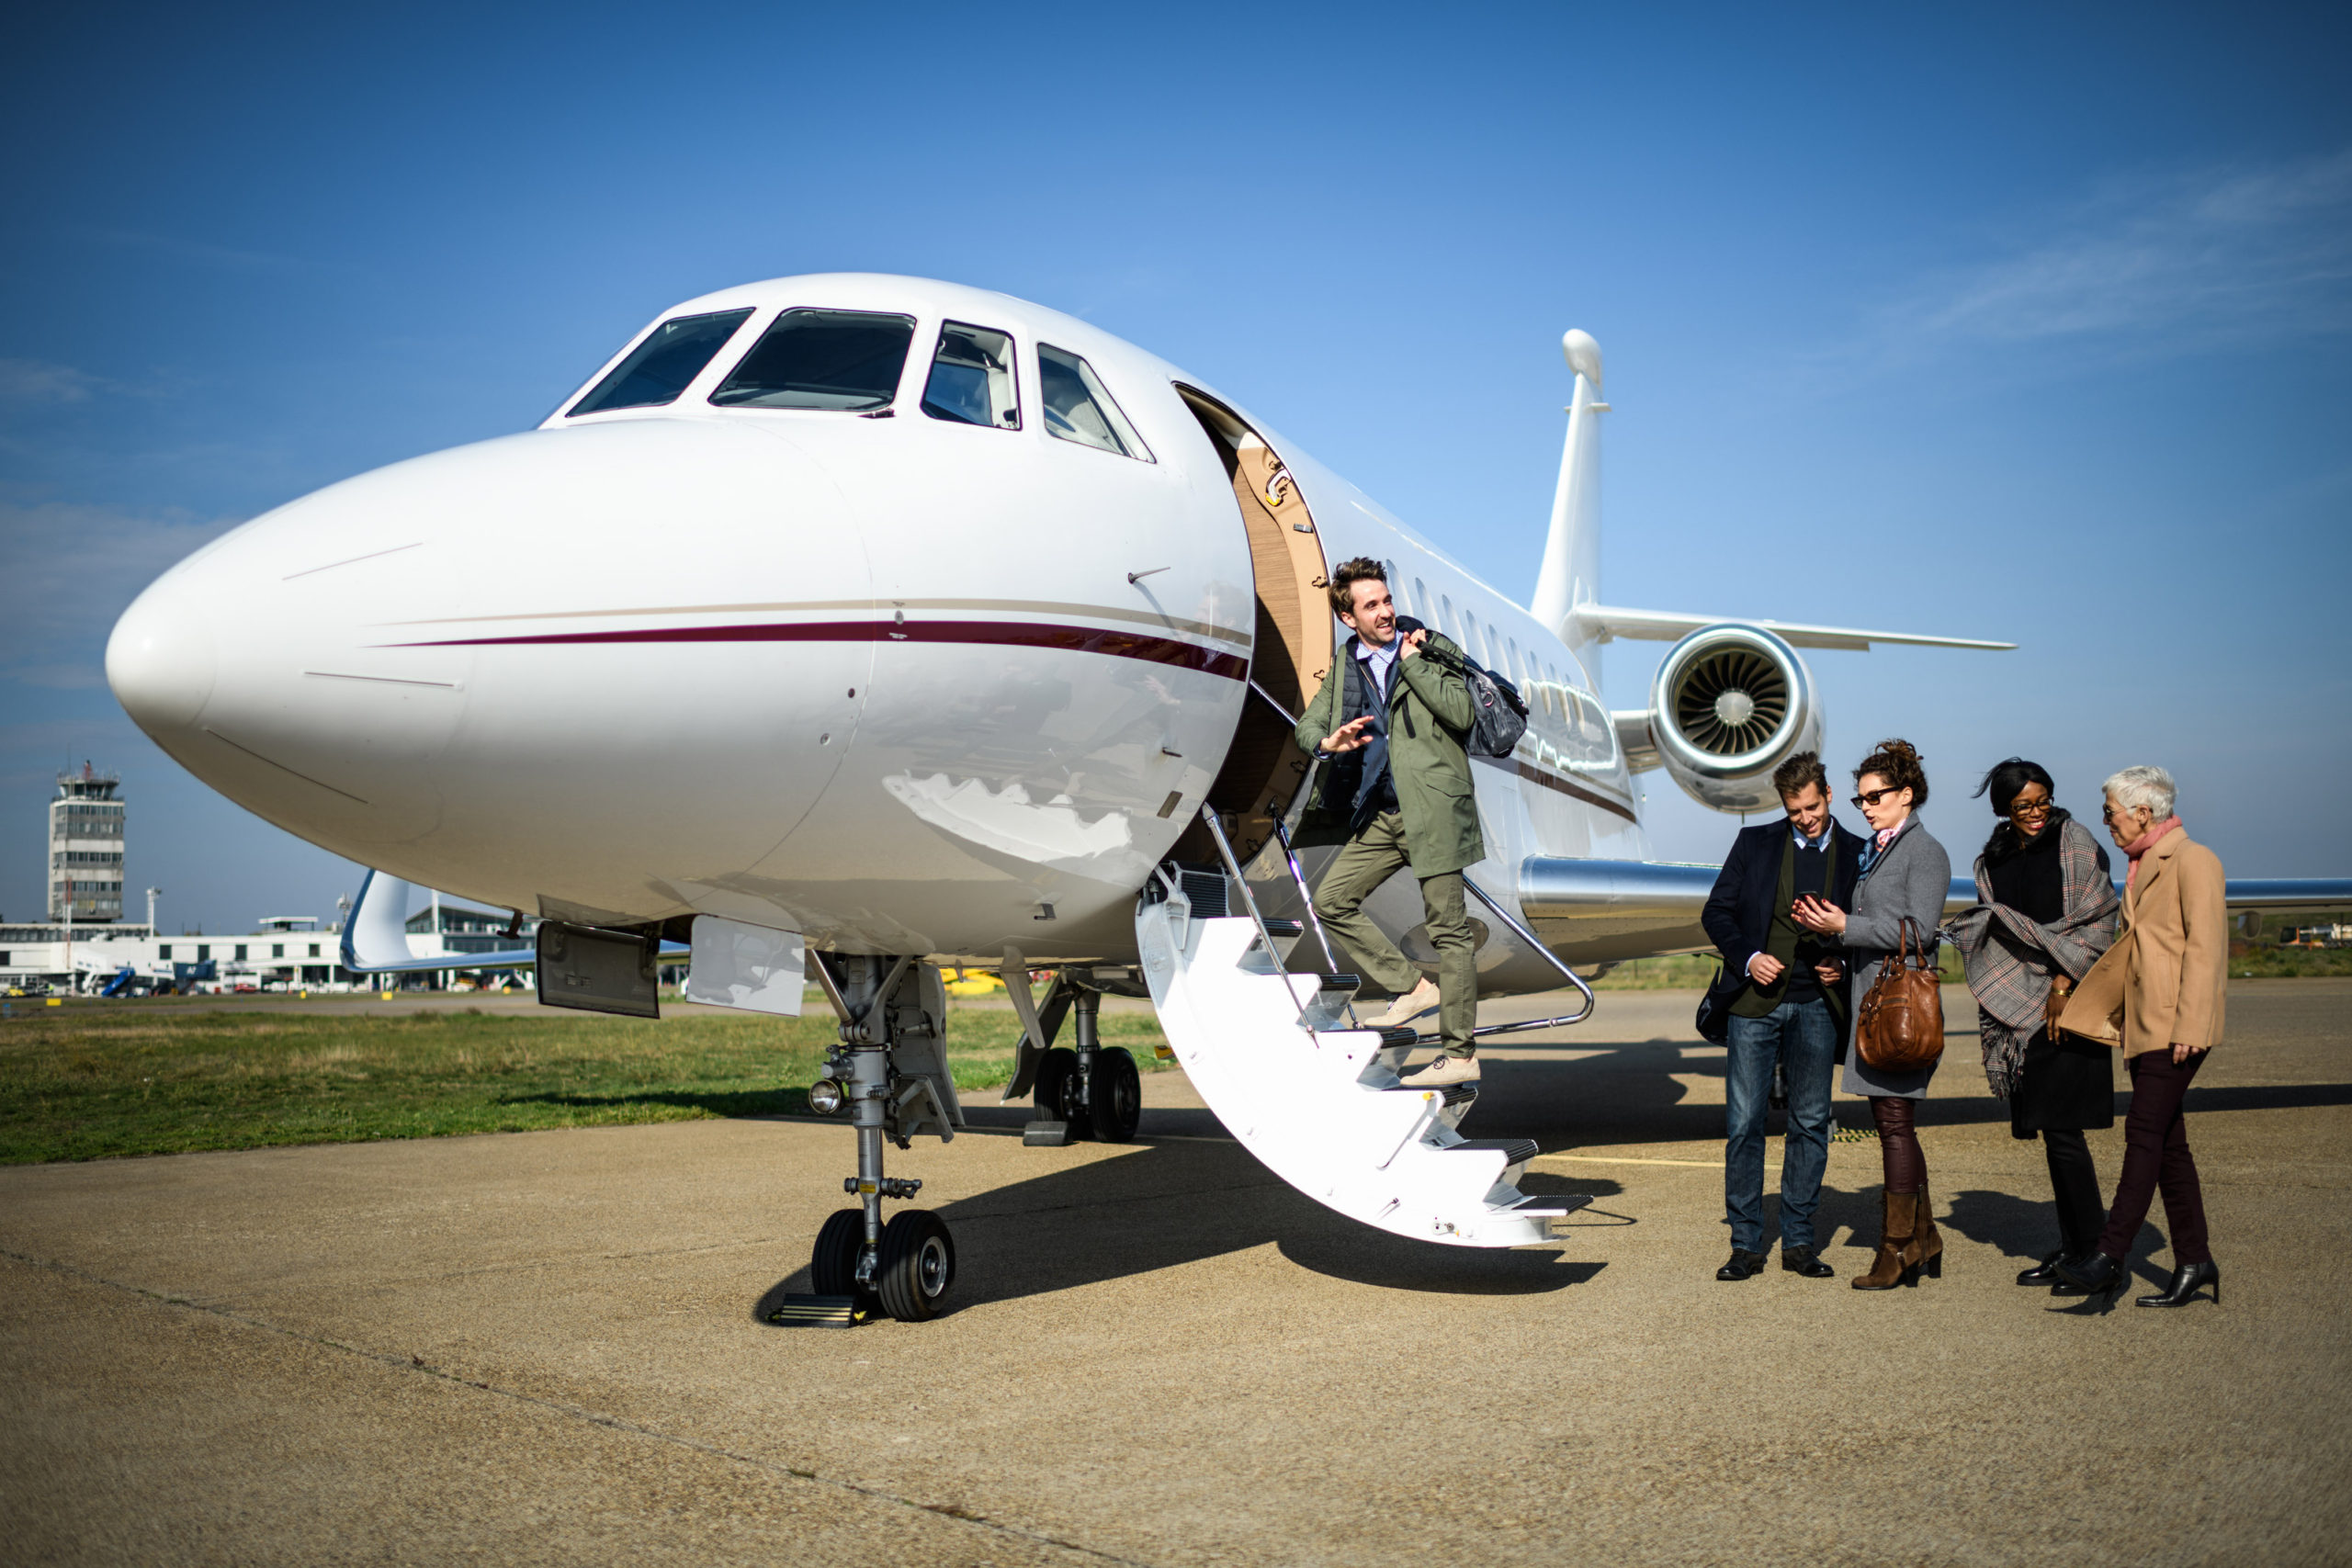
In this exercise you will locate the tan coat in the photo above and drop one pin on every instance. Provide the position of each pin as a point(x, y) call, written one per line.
point(2162, 981)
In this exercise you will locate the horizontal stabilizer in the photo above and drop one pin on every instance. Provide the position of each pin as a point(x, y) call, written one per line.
point(1605, 622)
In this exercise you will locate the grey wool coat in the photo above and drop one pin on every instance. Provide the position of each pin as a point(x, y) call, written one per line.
point(1912, 878)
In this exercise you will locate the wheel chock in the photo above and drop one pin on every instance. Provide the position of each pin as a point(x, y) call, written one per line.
point(800, 1310)
point(1044, 1134)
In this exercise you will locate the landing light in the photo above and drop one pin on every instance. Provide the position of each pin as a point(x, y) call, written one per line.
point(825, 1097)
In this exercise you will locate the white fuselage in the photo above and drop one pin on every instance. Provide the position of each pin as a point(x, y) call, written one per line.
point(903, 684)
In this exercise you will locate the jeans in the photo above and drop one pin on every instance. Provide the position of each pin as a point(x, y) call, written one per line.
point(1803, 1037)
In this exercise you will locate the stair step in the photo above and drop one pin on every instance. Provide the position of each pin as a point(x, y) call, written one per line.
point(1453, 1093)
point(1515, 1151)
point(1551, 1205)
point(1284, 927)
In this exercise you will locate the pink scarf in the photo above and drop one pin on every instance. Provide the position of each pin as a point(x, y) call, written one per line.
point(2144, 842)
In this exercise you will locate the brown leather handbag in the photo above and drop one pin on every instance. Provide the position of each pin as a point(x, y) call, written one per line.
point(1899, 1028)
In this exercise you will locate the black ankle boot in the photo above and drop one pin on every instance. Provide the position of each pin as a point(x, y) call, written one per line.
point(2186, 1280)
point(2094, 1276)
point(2043, 1274)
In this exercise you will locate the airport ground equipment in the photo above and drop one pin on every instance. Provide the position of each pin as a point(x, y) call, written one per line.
point(1317, 1100)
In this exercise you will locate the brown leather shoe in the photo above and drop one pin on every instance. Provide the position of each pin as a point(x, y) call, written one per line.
point(1898, 1253)
point(1928, 1241)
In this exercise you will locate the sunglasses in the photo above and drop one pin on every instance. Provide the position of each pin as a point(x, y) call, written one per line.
point(1874, 796)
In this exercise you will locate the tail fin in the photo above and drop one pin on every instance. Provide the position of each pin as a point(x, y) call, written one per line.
point(1571, 573)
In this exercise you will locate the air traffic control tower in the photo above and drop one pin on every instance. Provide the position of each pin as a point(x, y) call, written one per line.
point(85, 847)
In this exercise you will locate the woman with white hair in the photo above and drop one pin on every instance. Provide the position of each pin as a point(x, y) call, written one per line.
point(2157, 993)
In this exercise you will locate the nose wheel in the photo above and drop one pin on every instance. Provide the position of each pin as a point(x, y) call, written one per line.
point(917, 1267)
point(889, 1073)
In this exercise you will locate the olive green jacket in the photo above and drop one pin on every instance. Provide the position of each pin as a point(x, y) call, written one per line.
point(1429, 714)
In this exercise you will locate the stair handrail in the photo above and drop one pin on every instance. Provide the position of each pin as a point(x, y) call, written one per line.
point(1508, 918)
point(1249, 902)
point(1556, 962)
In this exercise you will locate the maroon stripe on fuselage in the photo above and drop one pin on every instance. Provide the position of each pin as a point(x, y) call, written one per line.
point(1000, 634)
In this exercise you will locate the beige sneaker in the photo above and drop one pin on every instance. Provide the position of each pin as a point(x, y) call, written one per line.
point(1443, 1071)
point(1422, 999)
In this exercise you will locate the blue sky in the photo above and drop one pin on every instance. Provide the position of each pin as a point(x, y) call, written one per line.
point(2029, 322)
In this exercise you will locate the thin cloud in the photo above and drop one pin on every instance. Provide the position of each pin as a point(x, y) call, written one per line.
point(72, 569)
point(226, 257)
point(2157, 265)
point(37, 381)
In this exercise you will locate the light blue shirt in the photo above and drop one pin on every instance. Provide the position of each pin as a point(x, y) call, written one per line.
point(1380, 664)
point(1805, 844)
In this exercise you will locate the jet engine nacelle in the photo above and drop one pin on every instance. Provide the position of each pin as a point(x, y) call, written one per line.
point(1730, 703)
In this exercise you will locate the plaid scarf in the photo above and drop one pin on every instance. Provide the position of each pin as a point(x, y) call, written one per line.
point(2009, 958)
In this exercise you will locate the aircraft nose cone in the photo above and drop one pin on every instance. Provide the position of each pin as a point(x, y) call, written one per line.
point(161, 660)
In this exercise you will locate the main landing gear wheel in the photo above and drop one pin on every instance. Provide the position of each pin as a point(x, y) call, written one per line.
point(1058, 1096)
point(917, 1266)
point(1115, 1100)
point(833, 1268)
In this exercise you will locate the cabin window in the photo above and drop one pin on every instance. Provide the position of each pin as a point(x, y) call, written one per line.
point(672, 356)
point(1079, 407)
point(844, 361)
point(971, 379)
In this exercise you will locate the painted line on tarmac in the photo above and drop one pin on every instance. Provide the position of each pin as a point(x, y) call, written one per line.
point(612, 1423)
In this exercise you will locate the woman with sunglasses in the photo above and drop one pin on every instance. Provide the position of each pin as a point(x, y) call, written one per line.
point(2045, 912)
point(1905, 874)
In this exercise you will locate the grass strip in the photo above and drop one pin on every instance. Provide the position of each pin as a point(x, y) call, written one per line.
point(88, 1082)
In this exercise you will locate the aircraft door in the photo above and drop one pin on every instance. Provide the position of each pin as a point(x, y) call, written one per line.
point(1263, 768)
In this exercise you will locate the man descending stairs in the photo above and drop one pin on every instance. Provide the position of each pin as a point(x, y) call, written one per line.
point(1389, 722)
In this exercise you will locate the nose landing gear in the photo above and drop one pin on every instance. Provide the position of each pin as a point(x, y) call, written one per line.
point(891, 1064)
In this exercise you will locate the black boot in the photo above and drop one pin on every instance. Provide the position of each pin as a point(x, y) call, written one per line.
point(2043, 1274)
point(1804, 1261)
point(2186, 1280)
point(2094, 1276)
point(1744, 1265)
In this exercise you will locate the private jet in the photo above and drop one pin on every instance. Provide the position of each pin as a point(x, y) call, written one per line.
point(846, 627)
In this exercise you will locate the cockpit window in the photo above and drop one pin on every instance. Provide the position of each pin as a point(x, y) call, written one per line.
point(971, 377)
point(1079, 407)
point(846, 360)
point(672, 356)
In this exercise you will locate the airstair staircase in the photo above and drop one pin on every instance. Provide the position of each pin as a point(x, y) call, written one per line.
point(1316, 1098)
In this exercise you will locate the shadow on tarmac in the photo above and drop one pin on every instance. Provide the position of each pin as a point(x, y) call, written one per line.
point(1165, 1204)
point(1187, 1192)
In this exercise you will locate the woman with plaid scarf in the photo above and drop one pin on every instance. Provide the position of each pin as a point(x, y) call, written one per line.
point(2046, 910)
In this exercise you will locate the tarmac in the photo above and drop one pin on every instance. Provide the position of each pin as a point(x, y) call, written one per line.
point(550, 1347)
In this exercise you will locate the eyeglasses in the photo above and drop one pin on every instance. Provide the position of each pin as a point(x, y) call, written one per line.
point(2030, 808)
point(1873, 798)
point(2107, 814)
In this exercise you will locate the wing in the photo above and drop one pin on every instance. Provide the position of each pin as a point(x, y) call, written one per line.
point(1605, 622)
point(374, 940)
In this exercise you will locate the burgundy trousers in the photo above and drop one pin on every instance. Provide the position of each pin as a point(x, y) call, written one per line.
point(2156, 1157)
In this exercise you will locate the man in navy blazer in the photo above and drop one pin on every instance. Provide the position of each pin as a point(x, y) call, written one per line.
point(1790, 1011)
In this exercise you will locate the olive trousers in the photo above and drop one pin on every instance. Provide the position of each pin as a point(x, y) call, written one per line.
point(1364, 862)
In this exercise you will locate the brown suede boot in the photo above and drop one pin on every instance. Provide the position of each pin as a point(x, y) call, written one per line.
point(1927, 1242)
point(1898, 1252)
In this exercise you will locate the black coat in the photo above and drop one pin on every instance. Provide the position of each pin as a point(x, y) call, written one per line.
point(1738, 915)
